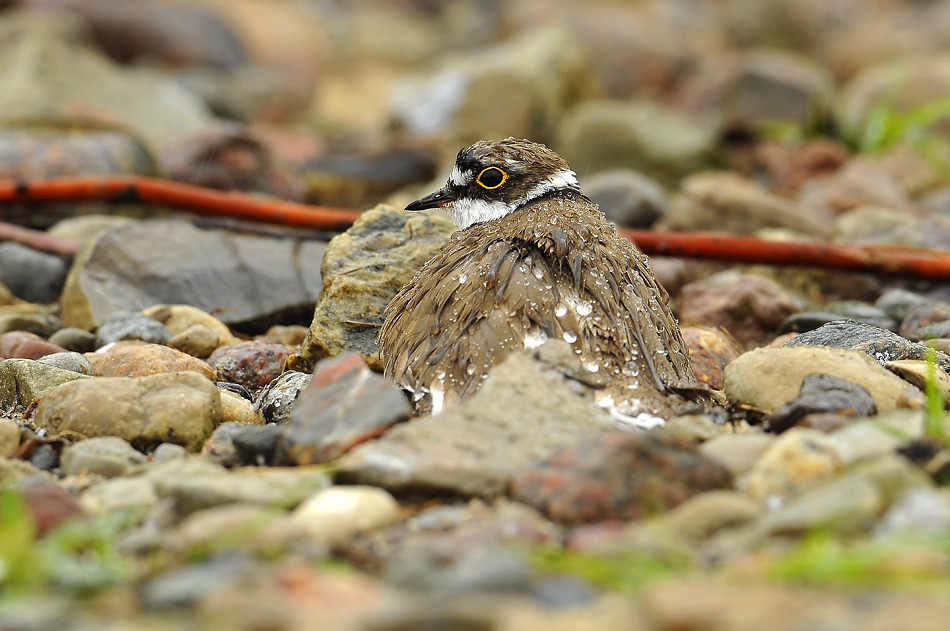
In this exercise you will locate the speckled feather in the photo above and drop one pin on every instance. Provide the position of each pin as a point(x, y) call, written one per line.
point(553, 268)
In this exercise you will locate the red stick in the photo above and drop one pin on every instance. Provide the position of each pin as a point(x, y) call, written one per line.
point(205, 201)
point(38, 240)
point(918, 263)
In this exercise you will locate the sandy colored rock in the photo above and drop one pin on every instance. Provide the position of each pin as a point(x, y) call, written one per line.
point(23, 380)
point(9, 437)
point(236, 408)
point(179, 408)
point(363, 269)
point(737, 452)
point(339, 512)
point(799, 459)
point(179, 318)
point(137, 359)
point(197, 340)
point(768, 378)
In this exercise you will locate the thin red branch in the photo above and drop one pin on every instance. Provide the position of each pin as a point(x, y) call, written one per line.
point(917, 263)
point(38, 240)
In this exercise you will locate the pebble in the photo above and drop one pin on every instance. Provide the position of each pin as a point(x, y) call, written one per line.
point(9, 437)
point(246, 527)
point(118, 494)
point(41, 324)
point(179, 318)
point(197, 340)
point(822, 394)
point(185, 586)
point(750, 307)
point(768, 378)
point(250, 364)
point(857, 311)
point(133, 358)
point(276, 401)
point(68, 360)
point(920, 373)
point(919, 323)
point(363, 268)
point(899, 303)
point(918, 511)
point(178, 407)
point(73, 339)
point(131, 325)
point(737, 452)
point(627, 197)
point(881, 344)
point(277, 487)
point(618, 475)
point(798, 460)
point(339, 512)
point(168, 451)
point(107, 456)
point(26, 345)
point(47, 501)
point(523, 414)
point(235, 408)
point(22, 381)
point(345, 404)
point(710, 349)
point(30, 274)
point(220, 445)
point(867, 439)
point(257, 445)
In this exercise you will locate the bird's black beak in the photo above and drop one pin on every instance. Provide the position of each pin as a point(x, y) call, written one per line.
point(438, 199)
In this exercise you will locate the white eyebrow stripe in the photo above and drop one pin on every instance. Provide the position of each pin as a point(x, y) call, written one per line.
point(458, 178)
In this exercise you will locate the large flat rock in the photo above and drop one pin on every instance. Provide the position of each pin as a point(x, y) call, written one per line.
point(523, 413)
point(240, 278)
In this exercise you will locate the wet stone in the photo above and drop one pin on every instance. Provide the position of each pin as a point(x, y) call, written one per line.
point(30, 274)
point(247, 279)
point(881, 344)
point(73, 339)
point(250, 364)
point(523, 412)
point(922, 322)
point(627, 197)
point(24, 380)
point(186, 586)
point(768, 378)
point(344, 405)
point(276, 400)
point(48, 502)
point(618, 475)
point(38, 323)
point(220, 445)
point(131, 325)
point(919, 373)
point(799, 459)
point(709, 351)
point(750, 306)
point(134, 358)
point(107, 456)
point(26, 345)
point(851, 310)
point(178, 407)
point(257, 445)
point(339, 512)
point(197, 340)
point(414, 551)
point(820, 394)
point(899, 303)
point(363, 270)
point(68, 360)
point(9, 437)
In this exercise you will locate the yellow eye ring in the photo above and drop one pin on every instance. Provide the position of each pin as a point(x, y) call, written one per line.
point(504, 176)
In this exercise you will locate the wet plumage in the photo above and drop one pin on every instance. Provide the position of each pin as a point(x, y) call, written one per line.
point(551, 267)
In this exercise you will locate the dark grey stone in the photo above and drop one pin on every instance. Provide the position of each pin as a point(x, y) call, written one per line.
point(30, 274)
point(276, 400)
point(881, 344)
point(131, 325)
point(627, 197)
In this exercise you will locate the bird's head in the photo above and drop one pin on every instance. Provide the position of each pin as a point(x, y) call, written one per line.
point(492, 179)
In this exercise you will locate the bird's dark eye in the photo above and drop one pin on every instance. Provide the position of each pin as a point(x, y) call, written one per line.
point(492, 177)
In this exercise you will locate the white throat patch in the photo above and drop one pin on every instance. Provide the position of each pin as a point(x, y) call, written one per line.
point(466, 211)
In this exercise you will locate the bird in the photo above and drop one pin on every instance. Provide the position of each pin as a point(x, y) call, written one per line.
point(534, 259)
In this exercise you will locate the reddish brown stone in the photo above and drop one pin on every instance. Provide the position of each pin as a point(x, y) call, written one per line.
point(133, 358)
point(345, 404)
point(48, 502)
point(251, 364)
point(618, 475)
point(921, 316)
point(749, 306)
point(26, 345)
point(709, 352)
